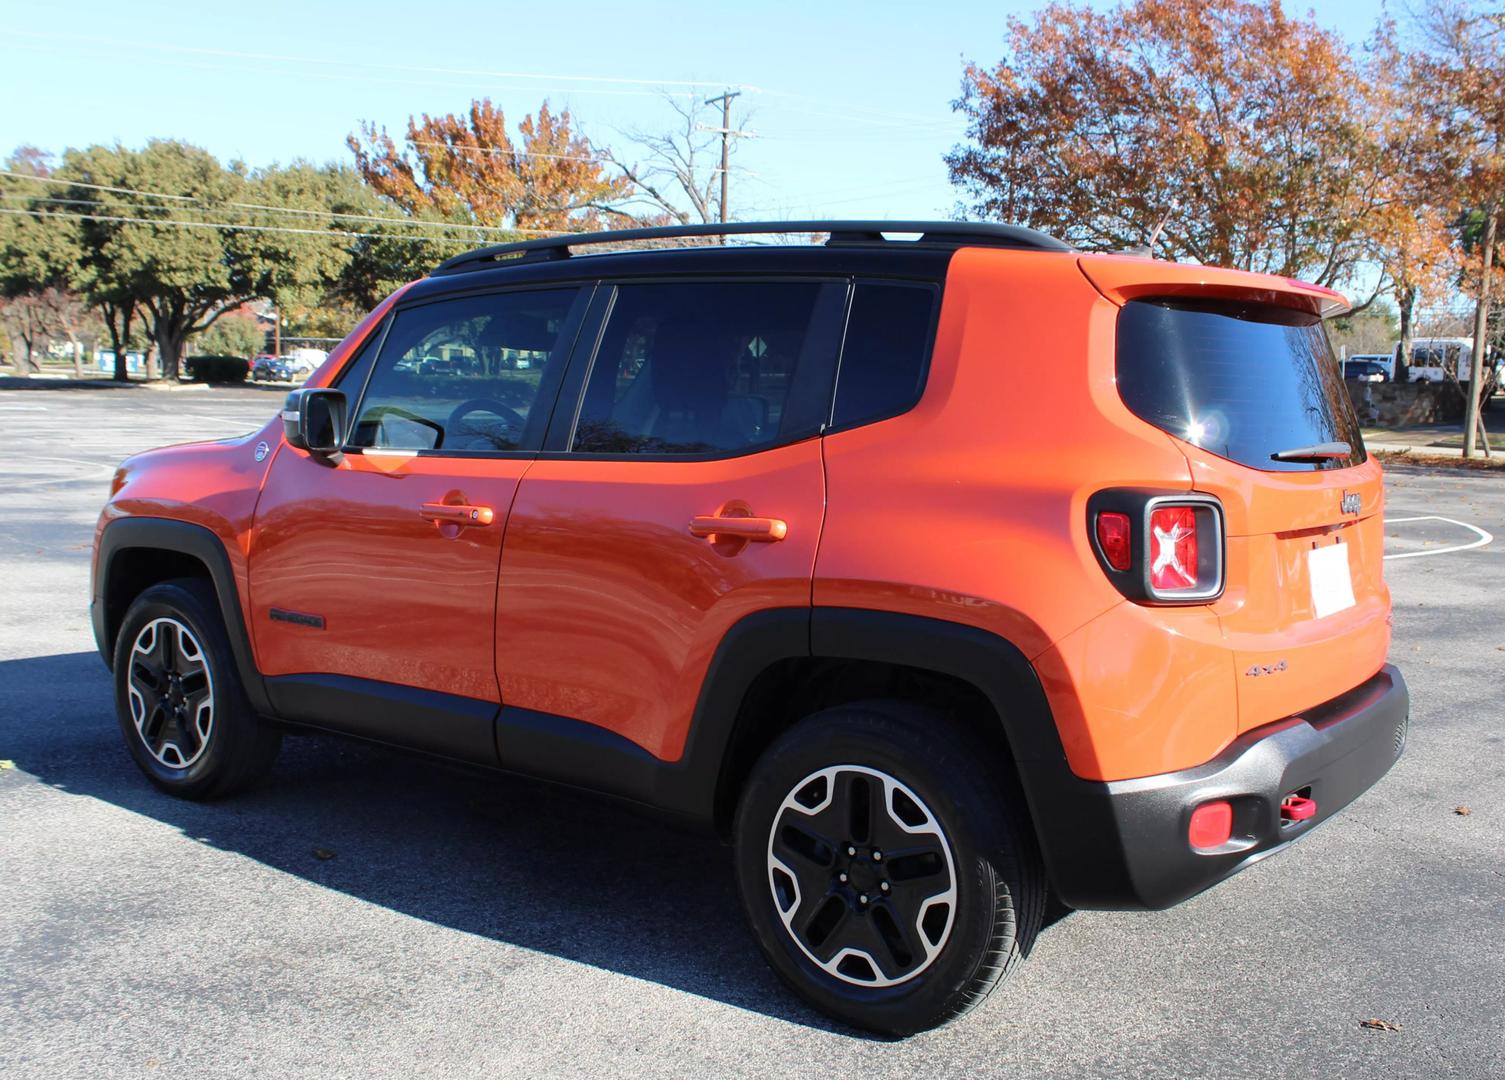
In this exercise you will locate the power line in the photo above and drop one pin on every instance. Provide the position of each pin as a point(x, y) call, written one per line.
point(496, 150)
point(264, 228)
point(474, 230)
point(337, 215)
point(416, 68)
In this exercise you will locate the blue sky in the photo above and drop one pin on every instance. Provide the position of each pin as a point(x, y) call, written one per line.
point(851, 107)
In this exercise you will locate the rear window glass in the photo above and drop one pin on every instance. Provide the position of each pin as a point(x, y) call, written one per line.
point(1244, 382)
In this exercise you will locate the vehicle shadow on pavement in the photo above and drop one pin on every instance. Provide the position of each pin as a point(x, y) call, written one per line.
point(540, 867)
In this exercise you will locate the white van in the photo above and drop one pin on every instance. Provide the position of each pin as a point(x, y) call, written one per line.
point(1434, 359)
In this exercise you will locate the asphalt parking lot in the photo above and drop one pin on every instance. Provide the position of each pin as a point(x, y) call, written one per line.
point(364, 914)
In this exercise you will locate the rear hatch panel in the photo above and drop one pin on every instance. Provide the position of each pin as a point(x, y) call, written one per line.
point(1236, 368)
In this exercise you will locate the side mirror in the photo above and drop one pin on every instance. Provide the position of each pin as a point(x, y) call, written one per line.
point(316, 420)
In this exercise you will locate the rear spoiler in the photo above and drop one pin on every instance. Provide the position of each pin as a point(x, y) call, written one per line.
point(1122, 278)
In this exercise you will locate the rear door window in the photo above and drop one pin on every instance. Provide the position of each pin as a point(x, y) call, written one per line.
point(711, 368)
point(886, 353)
point(1244, 382)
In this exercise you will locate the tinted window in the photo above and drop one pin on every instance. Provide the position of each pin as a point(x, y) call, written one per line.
point(464, 374)
point(887, 346)
point(1242, 382)
point(353, 376)
point(711, 368)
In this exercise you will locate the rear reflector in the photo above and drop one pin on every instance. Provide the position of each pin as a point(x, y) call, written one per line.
point(1211, 825)
point(1173, 549)
point(1298, 808)
point(1113, 538)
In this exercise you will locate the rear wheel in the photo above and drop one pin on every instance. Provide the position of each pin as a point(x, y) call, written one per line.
point(887, 877)
point(178, 696)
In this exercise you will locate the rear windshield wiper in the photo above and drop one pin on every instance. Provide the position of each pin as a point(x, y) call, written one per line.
point(1326, 451)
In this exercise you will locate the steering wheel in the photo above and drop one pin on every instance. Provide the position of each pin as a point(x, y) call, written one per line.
point(514, 420)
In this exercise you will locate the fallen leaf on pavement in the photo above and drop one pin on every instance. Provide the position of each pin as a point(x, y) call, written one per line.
point(1379, 1025)
point(323, 854)
point(1463, 811)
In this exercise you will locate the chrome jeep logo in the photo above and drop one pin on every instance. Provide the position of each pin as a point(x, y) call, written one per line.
point(1352, 503)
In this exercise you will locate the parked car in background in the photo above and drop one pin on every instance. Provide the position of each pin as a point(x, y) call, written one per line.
point(280, 369)
point(1366, 369)
point(1384, 361)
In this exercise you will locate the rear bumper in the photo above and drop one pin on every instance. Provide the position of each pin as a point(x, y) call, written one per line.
point(1124, 846)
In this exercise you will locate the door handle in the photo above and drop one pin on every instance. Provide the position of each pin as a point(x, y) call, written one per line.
point(450, 514)
point(757, 529)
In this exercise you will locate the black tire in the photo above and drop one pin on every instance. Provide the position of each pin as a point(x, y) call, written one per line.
point(236, 748)
point(962, 791)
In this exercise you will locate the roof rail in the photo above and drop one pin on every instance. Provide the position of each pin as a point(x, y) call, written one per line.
point(955, 233)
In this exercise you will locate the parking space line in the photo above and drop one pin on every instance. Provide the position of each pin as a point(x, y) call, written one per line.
point(1484, 537)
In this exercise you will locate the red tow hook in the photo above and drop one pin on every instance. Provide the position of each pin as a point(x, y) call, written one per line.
point(1298, 808)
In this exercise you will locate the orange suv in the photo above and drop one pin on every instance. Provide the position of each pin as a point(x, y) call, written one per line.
point(939, 574)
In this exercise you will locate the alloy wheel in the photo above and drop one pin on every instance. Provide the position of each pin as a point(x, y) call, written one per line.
point(862, 876)
point(171, 692)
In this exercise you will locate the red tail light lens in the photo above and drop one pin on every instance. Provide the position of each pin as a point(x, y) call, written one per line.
point(1158, 547)
point(1113, 538)
point(1173, 549)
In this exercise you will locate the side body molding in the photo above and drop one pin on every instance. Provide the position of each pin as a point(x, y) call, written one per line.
point(184, 538)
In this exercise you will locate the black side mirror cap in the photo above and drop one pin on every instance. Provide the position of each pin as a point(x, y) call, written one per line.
point(316, 419)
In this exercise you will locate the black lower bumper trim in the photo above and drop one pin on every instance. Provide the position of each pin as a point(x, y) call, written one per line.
point(1128, 846)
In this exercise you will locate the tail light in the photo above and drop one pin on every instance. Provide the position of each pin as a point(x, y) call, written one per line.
point(1113, 539)
point(1159, 548)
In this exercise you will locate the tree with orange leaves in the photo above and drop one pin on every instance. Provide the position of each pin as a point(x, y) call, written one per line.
point(471, 169)
point(1218, 131)
point(1456, 83)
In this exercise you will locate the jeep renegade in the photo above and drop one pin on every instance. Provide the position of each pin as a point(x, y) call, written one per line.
point(940, 574)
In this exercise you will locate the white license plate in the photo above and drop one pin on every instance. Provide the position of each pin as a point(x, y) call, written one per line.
point(1332, 583)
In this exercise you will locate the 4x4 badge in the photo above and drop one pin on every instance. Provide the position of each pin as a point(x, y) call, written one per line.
point(1353, 502)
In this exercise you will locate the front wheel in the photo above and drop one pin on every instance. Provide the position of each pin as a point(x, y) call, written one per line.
point(886, 875)
point(182, 710)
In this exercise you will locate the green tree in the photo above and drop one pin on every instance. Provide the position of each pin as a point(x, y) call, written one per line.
point(35, 259)
point(231, 335)
point(166, 259)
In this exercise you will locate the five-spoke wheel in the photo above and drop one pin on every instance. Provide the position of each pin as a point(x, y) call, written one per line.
point(182, 709)
point(862, 875)
point(883, 864)
point(171, 693)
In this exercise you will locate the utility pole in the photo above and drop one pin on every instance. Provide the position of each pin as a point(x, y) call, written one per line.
point(727, 133)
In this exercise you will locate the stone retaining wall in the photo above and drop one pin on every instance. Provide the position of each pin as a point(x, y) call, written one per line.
point(1390, 404)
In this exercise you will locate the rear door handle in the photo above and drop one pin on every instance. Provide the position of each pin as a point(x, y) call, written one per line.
point(451, 514)
point(758, 529)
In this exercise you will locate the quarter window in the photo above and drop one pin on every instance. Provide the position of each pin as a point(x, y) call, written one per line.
point(711, 368)
point(464, 374)
point(884, 358)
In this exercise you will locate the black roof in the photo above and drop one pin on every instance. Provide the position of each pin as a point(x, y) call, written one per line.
point(949, 234)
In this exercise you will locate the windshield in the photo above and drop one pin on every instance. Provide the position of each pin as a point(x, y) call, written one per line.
point(1242, 381)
